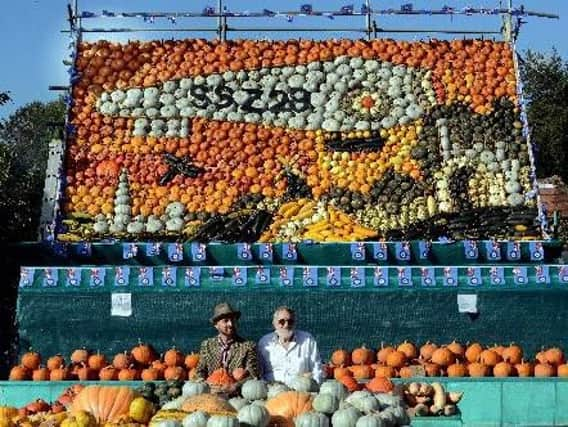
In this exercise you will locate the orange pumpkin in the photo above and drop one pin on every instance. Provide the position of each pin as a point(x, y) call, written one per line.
point(489, 358)
point(396, 359)
point(544, 370)
point(432, 370)
point(150, 374)
point(524, 369)
point(59, 374)
point(562, 370)
point(408, 349)
point(80, 355)
point(122, 360)
point(502, 369)
point(385, 371)
point(173, 357)
point(405, 372)
point(108, 373)
point(40, 374)
point(513, 354)
point(456, 348)
point(31, 360)
point(380, 385)
point(191, 360)
point(175, 373)
point(473, 352)
point(457, 370)
point(286, 406)
point(105, 403)
point(349, 382)
point(443, 356)
point(361, 371)
point(128, 374)
point(97, 361)
point(341, 358)
point(554, 356)
point(55, 362)
point(19, 373)
point(341, 372)
point(143, 354)
point(362, 356)
point(477, 369)
point(220, 377)
point(426, 350)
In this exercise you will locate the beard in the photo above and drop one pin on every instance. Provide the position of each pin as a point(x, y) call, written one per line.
point(284, 334)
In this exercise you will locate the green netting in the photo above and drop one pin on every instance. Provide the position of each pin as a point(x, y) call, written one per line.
point(54, 321)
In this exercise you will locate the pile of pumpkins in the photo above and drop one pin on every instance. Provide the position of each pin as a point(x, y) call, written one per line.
point(142, 362)
point(259, 404)
point(453, 360)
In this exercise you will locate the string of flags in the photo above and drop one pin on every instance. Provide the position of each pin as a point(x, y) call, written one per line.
point(307, 9)
point(401, 252)
point(293, 276)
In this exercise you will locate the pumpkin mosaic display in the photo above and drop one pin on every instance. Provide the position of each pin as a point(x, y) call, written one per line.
point(289, 140)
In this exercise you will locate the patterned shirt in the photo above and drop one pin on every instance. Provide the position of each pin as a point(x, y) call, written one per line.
point(283, 365)
point(242, 354)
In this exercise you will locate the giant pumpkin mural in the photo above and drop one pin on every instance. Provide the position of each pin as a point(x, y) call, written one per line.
point(335, 140)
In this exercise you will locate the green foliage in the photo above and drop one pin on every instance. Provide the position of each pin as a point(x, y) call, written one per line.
point(4, 98)
point(24, 139)
point(545, 79)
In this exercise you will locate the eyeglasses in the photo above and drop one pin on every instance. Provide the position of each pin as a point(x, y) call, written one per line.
point(282, 322)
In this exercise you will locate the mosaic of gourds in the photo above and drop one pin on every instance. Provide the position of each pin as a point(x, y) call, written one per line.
point(291, 140)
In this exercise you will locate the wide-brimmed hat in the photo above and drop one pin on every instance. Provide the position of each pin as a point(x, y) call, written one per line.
point(224, 309)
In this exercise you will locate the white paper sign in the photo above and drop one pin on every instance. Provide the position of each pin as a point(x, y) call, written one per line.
point(467, 303)
point(121, 304)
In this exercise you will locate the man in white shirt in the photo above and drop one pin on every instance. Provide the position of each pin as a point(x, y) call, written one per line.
point(287, 352)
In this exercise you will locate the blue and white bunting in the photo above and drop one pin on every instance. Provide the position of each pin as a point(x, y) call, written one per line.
point(146, 276)
point(381, 277)
point(192, 277)
point(333, 278)
point(169, 277)
point(121, 276)
point(262, 276)
point(310, 277)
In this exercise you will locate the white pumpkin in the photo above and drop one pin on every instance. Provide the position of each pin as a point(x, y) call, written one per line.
point(370, 421)
point(311, 419)
point(275, 389)
point(345, 417)
point(238, 402)
point(165, 423)
point(191, 388)
point(334, 388)
point(254, 390)
point(174, 404)
point(356, 395)
point(196, 419)
point(366, 404)
point(304, 384)
point(326, 403)
point(254, 416)
point(223, 421)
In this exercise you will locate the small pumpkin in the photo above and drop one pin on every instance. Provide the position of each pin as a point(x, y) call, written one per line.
point(502, 370)
point(31, 360)
point(141, 410)
point(361, 372)
point(312, 419)
point(524, 369)
point(473, 352)
point(303, 384)
point(175, 373)
point(432, 370)
point(60, 374)
point(426, 350)
point(341, 358)
point(443, 356)
point(456, 348)
point(396, 359)
point(457, 369)
point(554, 356)
point(238, 402)
point(191, 360)
point(80, 356)
point(143, 354)
point(97, 361)
point(128, 374)
point(253, 416)
point(109, 373)
point(544, 370)
point(349, 382)
point(173, 357)
point(122, 360)
point(562, 370)
point(55, 362)
point(406, 372)
point(19, 373)
point(362, 356)
point(408, 349)
point(254, 390)
point(371, 420)
point(383, 353)
point(341, 372)
point(326, 403)
point(513, 354)
point(477, 369)
point(150, 374)
point(40, 374)
point(380, 385)
point(275, 389)
point(385, 371)
point(8, 411)
point(489, 358)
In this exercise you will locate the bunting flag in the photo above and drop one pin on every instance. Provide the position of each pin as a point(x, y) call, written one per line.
point(450, 276)
point(198, 252)
point(380, 251)
point(216, 274)
point(175, 252)
point(404, 277)
point(358, 251)
point(192, 277)
point(26, 277)
point(239, 276)
point(262, 276)
point(381, 277)
point(310, 277)
point(287, 276)
point(513, 251)
point(145, 276)
point(357, 276)
point(542, 274)
point(471, 249)
point(473, 276)
point(153, 249)
point(289, 252)
point(427, 277)
point(169, 276)
point(493, 251)
point(121, 276)
point(50, 276)
point(536, 251)
point(402, 251)
point(333, 277)
point(266, 252)
point(424, 249)
point(129, 250)
point(73, 277)
point(96, 277)
point(244, 252)
point(520, 275)
point(497, 276)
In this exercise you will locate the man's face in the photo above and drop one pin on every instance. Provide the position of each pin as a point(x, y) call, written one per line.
point(227, 326)
point(283, 323)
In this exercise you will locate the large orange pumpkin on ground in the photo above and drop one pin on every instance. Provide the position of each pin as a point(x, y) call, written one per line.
point(104, 403)
point(288, 405)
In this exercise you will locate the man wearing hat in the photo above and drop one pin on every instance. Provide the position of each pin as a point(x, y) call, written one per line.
point(227, 350)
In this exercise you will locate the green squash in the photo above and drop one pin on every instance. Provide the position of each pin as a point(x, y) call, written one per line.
point(370, 421)
point(304, 384)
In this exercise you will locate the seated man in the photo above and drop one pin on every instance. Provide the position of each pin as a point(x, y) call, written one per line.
point(287, 353)
point(227, 350)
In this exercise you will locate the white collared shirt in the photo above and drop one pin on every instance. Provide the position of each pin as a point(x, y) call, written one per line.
point(284, 364)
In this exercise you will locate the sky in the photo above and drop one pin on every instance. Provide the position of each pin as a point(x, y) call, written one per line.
point(33, 47)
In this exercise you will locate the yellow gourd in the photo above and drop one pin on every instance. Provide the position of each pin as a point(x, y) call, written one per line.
point(79, 419)
point(141, 410)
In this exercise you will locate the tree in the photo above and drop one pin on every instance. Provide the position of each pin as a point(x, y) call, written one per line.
point(24, 139)
point(545, 79)
point(4, 98)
